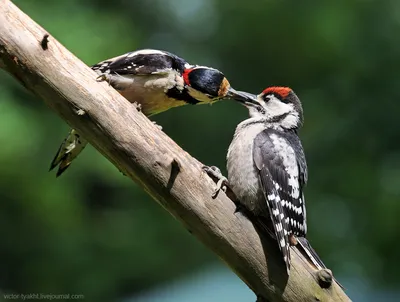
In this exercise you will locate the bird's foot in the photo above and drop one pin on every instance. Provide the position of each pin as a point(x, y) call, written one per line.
point(216, 175)
point(103, 78)
point(138, 107)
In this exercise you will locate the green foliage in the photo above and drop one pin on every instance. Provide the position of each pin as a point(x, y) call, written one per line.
point(94, 232)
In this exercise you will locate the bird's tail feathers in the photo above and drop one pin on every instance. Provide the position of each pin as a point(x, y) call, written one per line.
point(72, 145)
point(307, 249)
point(310, 253)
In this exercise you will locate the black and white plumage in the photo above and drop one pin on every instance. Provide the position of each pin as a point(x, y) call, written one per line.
point(157, 81)
point(279, 159)
point(267, 169)
point(147, 73)
point(142, 62)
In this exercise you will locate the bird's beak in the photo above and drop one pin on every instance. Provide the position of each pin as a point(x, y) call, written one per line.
point(245, 98)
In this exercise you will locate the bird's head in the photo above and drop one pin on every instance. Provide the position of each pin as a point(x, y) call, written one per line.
point(208, 85)
point(278, 105)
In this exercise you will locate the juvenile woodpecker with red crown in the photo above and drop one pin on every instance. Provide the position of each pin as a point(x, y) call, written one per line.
point(267, 169)
point(156, 81)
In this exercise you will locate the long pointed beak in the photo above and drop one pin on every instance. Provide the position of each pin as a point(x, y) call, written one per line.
point(245, 98)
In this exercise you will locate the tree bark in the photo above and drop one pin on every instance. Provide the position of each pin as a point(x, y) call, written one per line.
point(149, 157)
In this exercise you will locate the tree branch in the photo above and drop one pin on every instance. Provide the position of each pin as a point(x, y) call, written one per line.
point(149, 157)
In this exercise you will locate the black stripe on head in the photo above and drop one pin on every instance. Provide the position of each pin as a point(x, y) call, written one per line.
point(206, 80)
point(182, 96)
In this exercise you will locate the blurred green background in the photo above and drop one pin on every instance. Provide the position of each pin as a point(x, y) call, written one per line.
point(94, 232)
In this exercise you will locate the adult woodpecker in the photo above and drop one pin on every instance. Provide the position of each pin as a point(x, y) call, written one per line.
point(157, 81)
point(267, 169)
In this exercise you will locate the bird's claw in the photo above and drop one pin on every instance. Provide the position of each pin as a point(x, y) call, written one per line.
point(221, 185)
point(213, 171)
point(221, 181)
point(103, 77)
point(138, 107)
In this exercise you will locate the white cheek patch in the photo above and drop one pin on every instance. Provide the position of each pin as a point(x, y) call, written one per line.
point(275, 107)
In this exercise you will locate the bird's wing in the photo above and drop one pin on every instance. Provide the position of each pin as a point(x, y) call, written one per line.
point(137, 63)
point(279, 174)
point(294, 141)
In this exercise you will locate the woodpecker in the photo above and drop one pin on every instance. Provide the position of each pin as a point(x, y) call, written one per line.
point(267, 169)
point(156, 81)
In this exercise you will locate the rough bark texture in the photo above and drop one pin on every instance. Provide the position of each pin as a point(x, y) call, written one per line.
point(149, 157)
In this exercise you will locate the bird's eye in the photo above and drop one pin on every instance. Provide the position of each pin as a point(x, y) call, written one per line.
point(267, 99)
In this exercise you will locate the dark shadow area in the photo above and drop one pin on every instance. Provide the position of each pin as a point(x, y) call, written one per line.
point(276, 266)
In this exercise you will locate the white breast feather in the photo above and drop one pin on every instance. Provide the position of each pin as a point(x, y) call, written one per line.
point(243, 178)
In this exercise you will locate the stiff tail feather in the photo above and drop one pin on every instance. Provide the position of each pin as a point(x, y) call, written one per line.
point(73, 144)
point(312, 255)
point(302, 244)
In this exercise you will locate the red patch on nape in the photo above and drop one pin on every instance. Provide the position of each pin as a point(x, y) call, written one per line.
point(185, 75)
point(283, 92)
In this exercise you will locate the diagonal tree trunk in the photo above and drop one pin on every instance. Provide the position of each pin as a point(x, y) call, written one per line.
point(149, 157)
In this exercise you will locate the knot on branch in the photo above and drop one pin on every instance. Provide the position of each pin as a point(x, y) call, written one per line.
point(45, 41)
point(325, 278)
